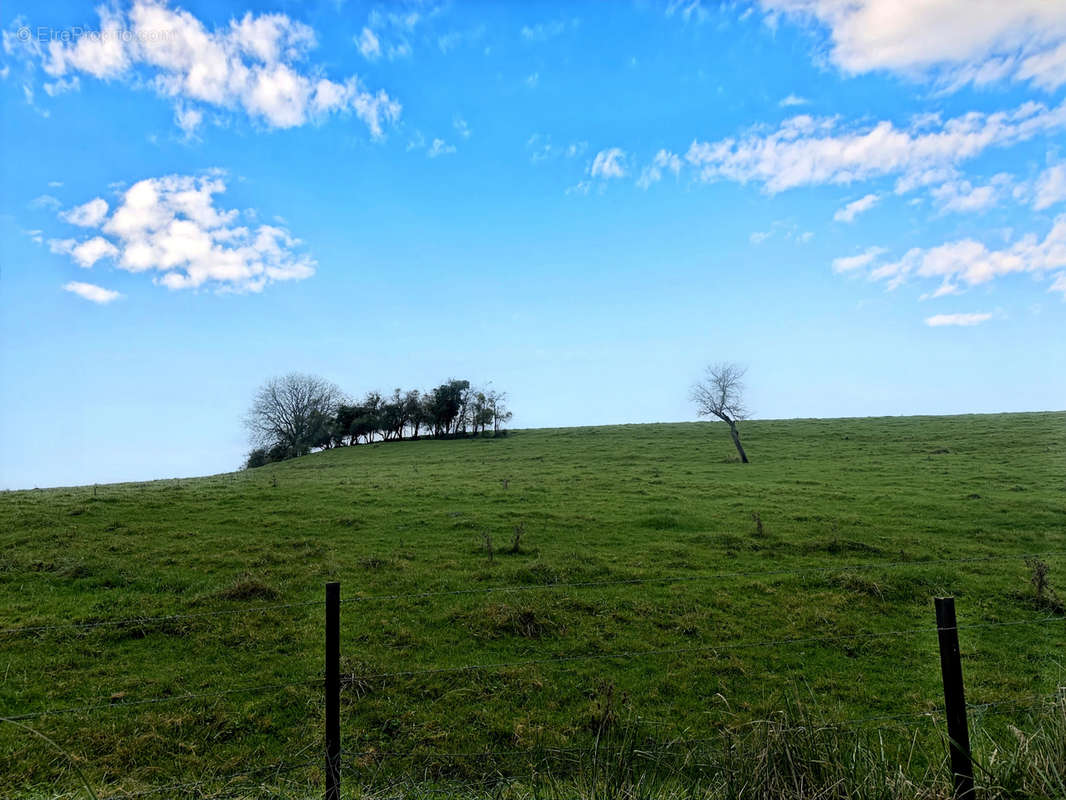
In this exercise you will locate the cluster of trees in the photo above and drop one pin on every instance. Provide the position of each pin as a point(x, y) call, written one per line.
point(295, 414)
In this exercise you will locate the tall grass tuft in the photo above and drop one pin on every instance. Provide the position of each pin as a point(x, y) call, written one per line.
point(792, 756)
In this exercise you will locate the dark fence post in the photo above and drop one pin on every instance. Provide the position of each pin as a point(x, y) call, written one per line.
point(954, 698)
point(333, 691)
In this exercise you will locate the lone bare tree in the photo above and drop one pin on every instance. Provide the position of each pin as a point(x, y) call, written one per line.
point(721, 394)
point(292, 412)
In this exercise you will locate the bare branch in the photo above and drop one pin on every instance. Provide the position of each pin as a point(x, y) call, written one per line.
point(284, 410)
point(721, 393)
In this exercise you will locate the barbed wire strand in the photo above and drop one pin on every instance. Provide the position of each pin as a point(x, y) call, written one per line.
point(353, 677)
point(673, 746)
point(670, 748)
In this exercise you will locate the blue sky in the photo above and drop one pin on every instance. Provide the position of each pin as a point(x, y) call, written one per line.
point(581, 203)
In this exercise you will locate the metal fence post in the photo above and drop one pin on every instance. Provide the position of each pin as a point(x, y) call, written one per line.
point(333, 692)
point(954, 699)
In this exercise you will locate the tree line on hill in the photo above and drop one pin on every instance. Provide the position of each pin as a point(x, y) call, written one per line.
point(295, 414)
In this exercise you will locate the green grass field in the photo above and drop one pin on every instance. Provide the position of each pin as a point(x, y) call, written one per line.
point(849, 509)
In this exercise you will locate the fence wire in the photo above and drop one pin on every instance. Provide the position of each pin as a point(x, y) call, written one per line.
point(629, 655)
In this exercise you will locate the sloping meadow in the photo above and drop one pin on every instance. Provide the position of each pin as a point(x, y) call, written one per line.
point(613, 611)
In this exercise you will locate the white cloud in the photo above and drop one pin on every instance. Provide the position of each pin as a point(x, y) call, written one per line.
point(543, 31)
point(45, 201)
point(532, 80)
point(653, 173)
point(89, 215)
point(855, 207)
point(610, 163)
point(793, 100)
point(56, 88)
point(805, 151)
point(970, 262)
point(786, 229)
point(188, 119)
point(965, 320)
point(96, 294)
point(416, 142)
point(172, 226)
point(440, 148)
point(86, 253)
point(461, 126)
point(447, 42)
point(954, 41)
point(688, 10)
point(961, 195)
point(541, 148)
point(369, 44)
point(255, 64)
point(1050, 187)
point(863, 259)
point(581, 187)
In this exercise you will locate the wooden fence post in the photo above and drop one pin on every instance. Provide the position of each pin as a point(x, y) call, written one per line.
point(954, 699)
point(333, 692)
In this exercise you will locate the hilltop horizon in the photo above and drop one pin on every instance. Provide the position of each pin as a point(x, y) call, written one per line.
point(547, 429)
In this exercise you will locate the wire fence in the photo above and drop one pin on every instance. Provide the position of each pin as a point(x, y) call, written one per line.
point(354, 761)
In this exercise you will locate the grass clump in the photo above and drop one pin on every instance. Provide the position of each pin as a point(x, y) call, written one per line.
point(249, 587)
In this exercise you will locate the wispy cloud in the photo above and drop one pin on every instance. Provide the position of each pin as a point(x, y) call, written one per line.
point(46, 201)
point(369, 44)
point(786, 229)
point(805, 151)
point(1050, 187)
point(609, 163)
point(541, 148)
point(863, 259)
point(440, 148)
point(653, 172)
point(855, 207)
point(963, 196)
point(543, 31)
point(961, 320)
point(972, 263)
point(92, 292)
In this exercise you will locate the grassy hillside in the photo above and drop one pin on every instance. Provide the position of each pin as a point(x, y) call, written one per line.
point(847, 512)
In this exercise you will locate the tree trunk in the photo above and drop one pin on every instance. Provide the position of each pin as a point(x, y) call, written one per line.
point(736, 441)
